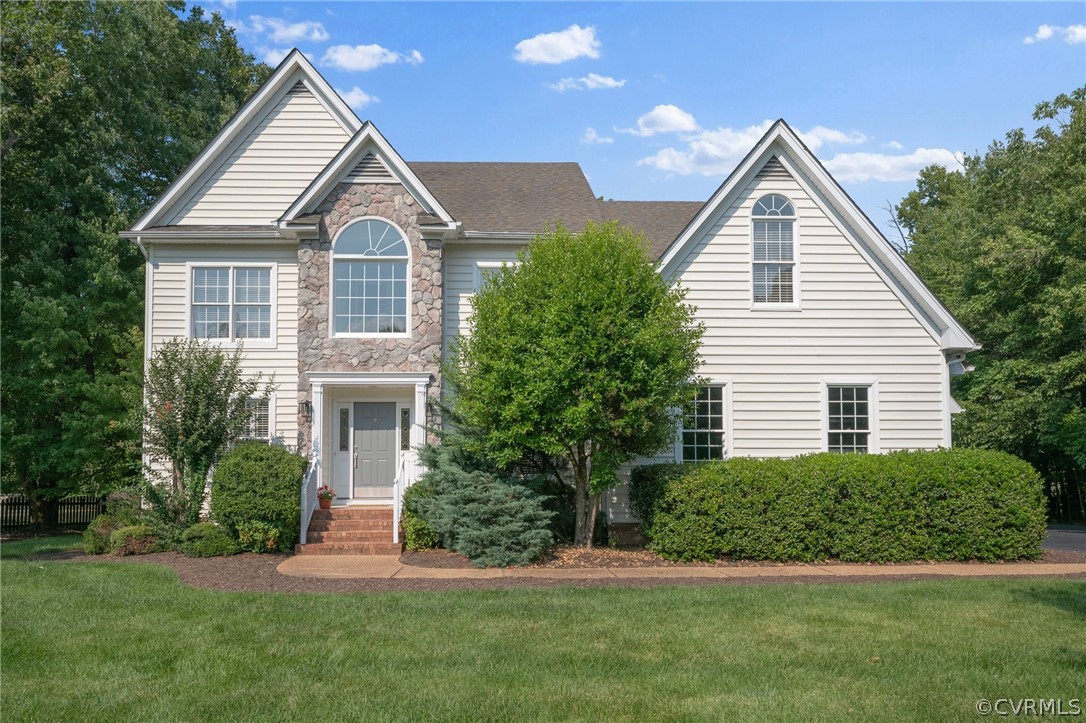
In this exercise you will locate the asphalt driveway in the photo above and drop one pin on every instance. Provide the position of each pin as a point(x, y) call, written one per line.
point(1068, 538)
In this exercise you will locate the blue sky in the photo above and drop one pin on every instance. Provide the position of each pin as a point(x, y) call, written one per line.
point(660, 101)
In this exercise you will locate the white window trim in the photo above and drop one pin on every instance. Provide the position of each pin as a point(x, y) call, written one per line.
point(874, 445)
point(232, 264)
point(482, 267)
point(796, 304)
point(357, 257)
point(729, 427)
point(271, 423)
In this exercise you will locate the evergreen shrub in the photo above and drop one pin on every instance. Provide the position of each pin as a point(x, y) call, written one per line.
point(256, 482)
point(206, 539)
point(951, 504)
point(489, 516)
point(134, 540)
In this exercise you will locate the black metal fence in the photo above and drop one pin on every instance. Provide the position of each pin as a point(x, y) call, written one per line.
point(71, 513)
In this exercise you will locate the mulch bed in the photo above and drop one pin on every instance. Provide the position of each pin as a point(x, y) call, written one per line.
point(257, 573)
point(566, 557)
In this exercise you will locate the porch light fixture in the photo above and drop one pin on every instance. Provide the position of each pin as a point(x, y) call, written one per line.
point(305, 409)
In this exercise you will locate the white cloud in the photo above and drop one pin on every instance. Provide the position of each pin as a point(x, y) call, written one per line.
point(366, 57)
point(894, 145)
point(820, 135)
point(272, 56)
point(558, 47)
point(663, 119)
point(861, 167)
point(592, 81)
point(1071, 34)
point(591, 136)
point(716, 152)
point(278, 30)
point(229, 4)
point(357, 98)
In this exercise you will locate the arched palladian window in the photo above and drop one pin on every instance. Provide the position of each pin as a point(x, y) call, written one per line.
point(369, 272)
point(773, 270)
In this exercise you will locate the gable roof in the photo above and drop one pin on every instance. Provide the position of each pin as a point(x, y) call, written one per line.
point(781, 141)
point(660, 221)
point(367, 142)
point(514, 198)
point(294, 68)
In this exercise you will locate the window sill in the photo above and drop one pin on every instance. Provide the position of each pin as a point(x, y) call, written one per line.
point(371, 336)
point(235, 343)
point(775, 307)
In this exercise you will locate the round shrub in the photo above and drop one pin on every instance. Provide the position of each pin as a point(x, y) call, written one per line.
point(952, 504)
point(257, 482)
point(134, 540)
point(206, 539)
point(96, 538)
point(258, 537)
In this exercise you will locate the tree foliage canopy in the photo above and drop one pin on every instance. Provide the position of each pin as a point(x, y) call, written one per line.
point(1003, 243)
point(101, 105)
point(581, 351)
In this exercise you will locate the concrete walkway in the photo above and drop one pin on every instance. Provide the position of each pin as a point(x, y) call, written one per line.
point(389, 567)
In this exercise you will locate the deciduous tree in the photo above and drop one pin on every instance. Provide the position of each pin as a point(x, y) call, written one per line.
point(582, 352)
point(1003, 243)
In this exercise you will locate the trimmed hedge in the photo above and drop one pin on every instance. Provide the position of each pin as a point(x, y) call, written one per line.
point(951, 504)
point(257, 482)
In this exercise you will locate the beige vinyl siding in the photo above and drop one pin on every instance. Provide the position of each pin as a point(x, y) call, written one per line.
point(268, 168)
point(849, 324)
point(461, 261)
point(170, 298)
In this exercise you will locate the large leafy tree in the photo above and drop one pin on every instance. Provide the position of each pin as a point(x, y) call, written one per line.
point(102, 104)
point(580, 352)
point(1003, 243)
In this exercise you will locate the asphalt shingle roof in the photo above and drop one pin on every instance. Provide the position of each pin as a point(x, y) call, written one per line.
point(660, 221)
point(511, 197)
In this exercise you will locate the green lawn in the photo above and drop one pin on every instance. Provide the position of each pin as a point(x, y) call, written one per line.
point(109, 641)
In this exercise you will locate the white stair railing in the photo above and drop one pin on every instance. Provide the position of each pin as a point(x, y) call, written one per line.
point(309, 499)
point(397, 498)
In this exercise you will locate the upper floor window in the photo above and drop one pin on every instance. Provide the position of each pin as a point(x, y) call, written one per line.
point(369, 276)
point(773, 269)
point(231, 303)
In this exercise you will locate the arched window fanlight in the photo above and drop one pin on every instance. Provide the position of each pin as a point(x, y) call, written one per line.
point(369, 276)
point(773, 247)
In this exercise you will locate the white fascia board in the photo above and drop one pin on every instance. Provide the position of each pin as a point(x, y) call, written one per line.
point(347, 157)
point(292, 66)
point(897, 274)
point(369, 378)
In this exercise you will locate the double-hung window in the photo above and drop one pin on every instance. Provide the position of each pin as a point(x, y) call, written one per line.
point(849, 418)
point(259, 426)
point(231, 303)
point(773, 250)
point(704, 426)
point(369, 276)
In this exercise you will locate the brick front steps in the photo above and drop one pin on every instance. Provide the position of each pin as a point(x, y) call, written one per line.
point(350, 531)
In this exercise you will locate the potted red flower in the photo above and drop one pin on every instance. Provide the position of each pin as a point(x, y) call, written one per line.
point(325, 495)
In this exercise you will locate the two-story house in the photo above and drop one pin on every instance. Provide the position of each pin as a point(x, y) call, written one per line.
point(346, 271)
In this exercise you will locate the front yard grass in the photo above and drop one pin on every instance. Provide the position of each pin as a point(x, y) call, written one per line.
point(115, 641)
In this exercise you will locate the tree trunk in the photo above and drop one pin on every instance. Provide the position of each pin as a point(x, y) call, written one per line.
point(579, 461)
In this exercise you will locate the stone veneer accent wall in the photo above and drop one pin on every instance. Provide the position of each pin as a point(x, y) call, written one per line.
point(318, 351)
